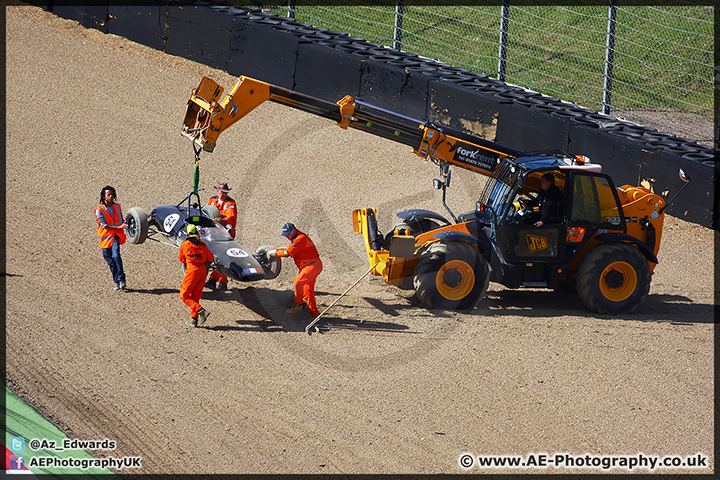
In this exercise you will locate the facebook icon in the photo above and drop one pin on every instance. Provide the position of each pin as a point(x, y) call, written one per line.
point(17, 462)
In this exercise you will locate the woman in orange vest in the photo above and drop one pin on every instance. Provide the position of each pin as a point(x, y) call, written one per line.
point(111, 230)
point(228, 219)
point(307, 259)
point(194, 253)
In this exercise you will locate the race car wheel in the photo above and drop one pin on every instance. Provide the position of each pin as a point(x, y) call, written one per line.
point(451, 276)
point(211, 211)
point(272, 267)
point(613, 278)
point(137, 222)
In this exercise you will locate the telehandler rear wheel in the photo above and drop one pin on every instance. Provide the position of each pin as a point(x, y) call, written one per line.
point(613, 278)
point(451, 276)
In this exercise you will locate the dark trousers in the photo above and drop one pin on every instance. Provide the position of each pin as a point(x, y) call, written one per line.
point(112, 257)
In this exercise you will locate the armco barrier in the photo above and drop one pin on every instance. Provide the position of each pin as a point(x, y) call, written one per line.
point(89, 16)
point(462, 109)
point(200, 34)
point(264, 53)
point(393, 87)
point(329, 65)
point(141, 24)
point(325, 72)
point(528, 129)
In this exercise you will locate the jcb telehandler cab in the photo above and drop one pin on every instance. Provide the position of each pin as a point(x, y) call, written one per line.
point(605, 238)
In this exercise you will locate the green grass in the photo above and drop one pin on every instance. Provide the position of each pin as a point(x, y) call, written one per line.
point(663, 57)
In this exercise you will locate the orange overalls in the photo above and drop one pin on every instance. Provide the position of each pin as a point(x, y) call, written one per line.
point(228, 212)
point(307, 259)
point(194, 253)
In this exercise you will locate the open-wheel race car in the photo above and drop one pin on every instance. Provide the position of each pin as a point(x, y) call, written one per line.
point(168, 224)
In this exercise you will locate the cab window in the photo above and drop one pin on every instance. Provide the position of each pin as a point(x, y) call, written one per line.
point(594, 201)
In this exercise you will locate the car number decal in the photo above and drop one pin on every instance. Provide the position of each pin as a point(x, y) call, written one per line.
point(236, 252)
point(170, 221)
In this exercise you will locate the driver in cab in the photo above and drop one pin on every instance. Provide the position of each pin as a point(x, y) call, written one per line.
point(550, 199)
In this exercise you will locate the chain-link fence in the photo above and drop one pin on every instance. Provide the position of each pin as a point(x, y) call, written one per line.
point(652, 65)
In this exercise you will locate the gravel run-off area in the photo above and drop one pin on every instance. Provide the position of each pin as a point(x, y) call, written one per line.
point(527, 371)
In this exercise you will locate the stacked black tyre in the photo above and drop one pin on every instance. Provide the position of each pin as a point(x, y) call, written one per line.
point(451, 276)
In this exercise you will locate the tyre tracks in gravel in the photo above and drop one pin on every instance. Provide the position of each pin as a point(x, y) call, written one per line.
point(92, 414)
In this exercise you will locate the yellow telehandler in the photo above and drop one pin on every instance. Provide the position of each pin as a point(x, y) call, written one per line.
point(604, 239)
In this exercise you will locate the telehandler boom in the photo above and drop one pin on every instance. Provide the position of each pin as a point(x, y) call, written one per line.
point(602, 238)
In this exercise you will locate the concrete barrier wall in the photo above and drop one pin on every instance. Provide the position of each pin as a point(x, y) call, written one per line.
point(330, 65)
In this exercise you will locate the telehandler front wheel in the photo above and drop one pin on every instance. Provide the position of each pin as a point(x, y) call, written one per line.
point(613, 278)
point(451, 276)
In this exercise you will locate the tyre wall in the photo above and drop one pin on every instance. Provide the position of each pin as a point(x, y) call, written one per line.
point(329, 65)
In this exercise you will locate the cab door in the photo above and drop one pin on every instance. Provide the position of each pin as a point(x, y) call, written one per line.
point(534, 251)
point(593, 204)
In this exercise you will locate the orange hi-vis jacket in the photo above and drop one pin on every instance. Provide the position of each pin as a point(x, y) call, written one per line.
point(228, 211)
point(109, 218)
point(301, 249)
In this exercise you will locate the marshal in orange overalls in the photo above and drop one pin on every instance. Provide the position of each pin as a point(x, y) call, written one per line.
point(194, 253)
point(307, 259)
point(228, 219)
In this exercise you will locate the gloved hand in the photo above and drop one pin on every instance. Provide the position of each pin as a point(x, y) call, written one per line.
point(271, 254)
point(217, 219)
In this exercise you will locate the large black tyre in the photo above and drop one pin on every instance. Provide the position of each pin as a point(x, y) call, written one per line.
point(137, 222)
point(451, 276)
point(613, 278)
point(272, 267)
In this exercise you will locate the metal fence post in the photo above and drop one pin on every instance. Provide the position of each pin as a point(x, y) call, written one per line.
point(504, 26)
point(609, 58)
point(291, 9)
point(399, 13)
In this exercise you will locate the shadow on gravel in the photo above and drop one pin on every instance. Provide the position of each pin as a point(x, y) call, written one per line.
point(153, 291)
point(270, 305)
point(267, 303)
point(330, 323)
point(655, 308)
point(398, 309)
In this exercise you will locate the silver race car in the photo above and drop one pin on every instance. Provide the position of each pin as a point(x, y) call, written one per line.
point(168, 224)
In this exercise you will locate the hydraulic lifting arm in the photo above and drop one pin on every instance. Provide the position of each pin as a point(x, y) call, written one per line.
point(207, 117)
